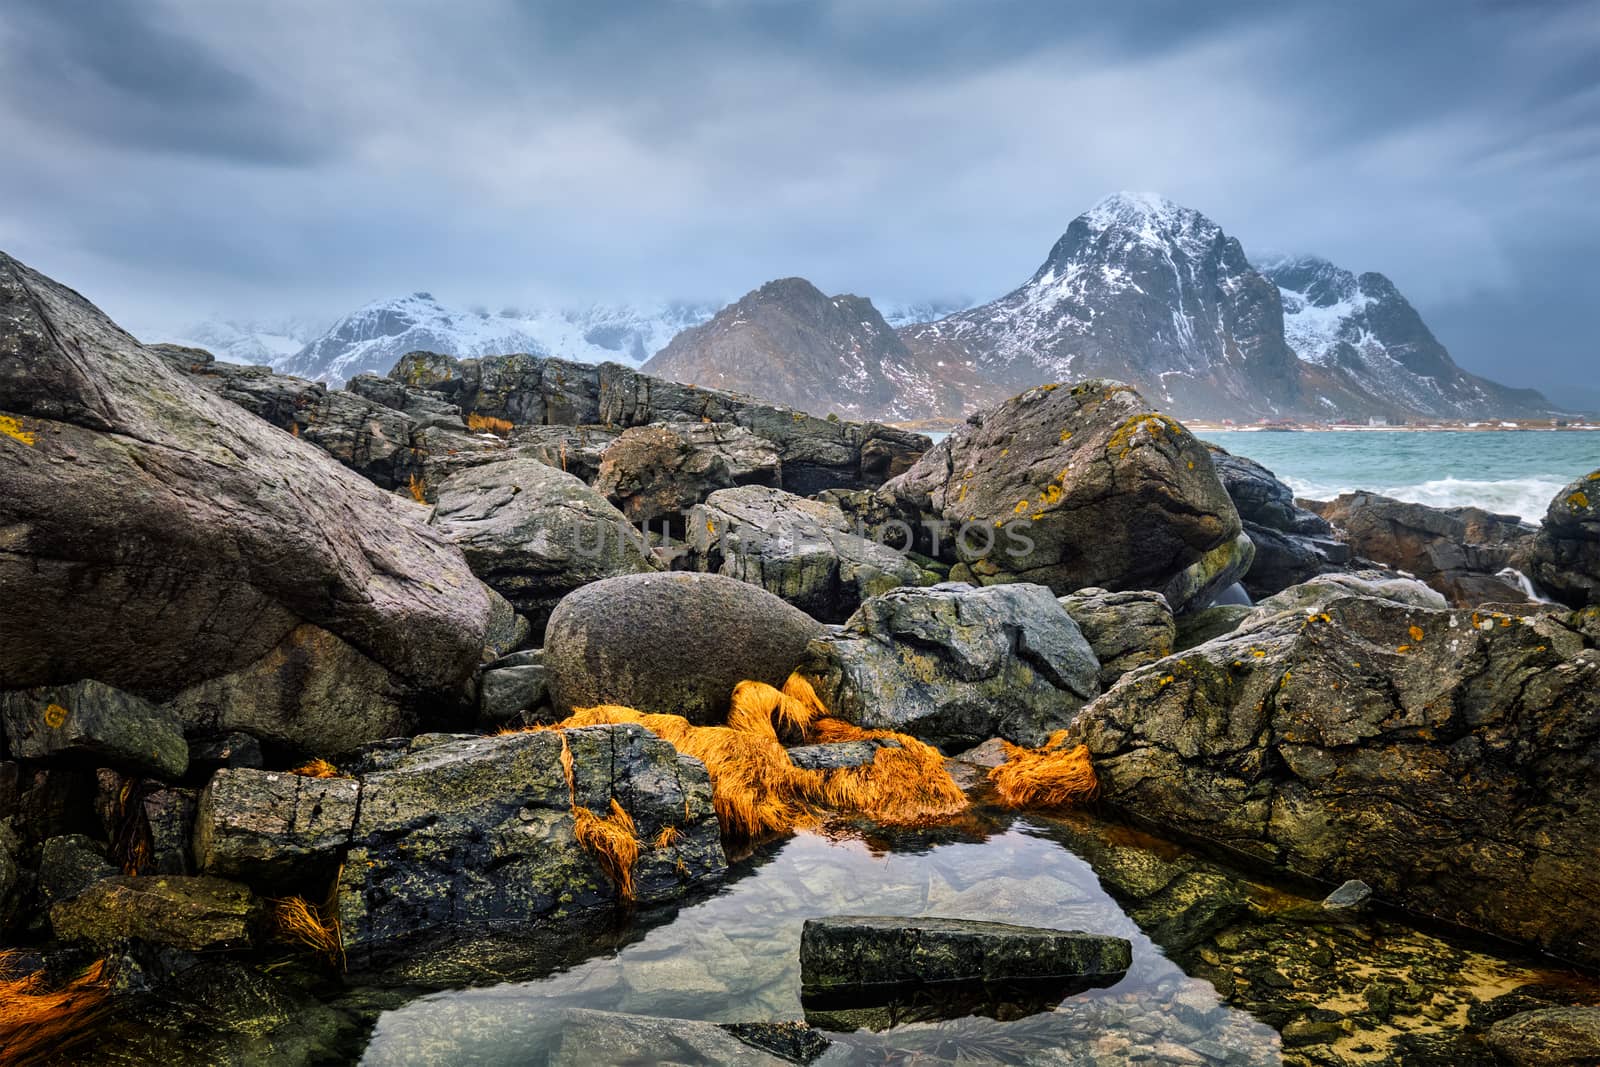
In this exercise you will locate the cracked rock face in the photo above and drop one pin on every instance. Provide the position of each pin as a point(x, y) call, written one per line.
point(1082, 485)
point(660, 472)
point(446, 837)
point(953, 665)
point(801, 550)
point(534, 533)
point(1566, 552)
point(1446, 758)
point(155, 538)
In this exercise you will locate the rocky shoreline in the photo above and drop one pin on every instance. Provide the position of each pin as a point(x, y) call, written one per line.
point(306, 692)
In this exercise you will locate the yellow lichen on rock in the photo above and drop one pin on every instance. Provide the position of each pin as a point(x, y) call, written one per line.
point(12, 428)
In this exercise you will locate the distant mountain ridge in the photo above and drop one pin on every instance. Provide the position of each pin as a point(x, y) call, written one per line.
point(1137, 288)
point(374, 337)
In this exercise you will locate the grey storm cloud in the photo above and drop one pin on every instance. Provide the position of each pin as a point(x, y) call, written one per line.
point(182, 160)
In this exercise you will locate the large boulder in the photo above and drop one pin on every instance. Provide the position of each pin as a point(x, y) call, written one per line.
point(675, 643)
point(1125, 630)
point(470, 837)
point(1292, 543)
point(954, 665)
point(1566, 552)
point(1073, 487)
point(1458, 551)
point(88, 722)
point(185, 542)
point(802, 550)
point(534, 533)
point(1446, 758)
point(659, 472)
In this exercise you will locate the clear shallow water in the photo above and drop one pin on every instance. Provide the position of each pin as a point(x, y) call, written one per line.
point(1243, 962)
point(1516, 473)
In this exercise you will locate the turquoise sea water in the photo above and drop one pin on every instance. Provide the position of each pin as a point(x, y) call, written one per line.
point(1517, 473)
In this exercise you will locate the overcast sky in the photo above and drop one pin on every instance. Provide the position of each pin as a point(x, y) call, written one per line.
point(180, 161)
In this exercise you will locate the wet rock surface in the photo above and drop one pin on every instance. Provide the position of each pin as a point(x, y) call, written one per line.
point(804, 551)
point(1292, 543)
point(1108, 492)
point(1358, 739)
point(90, 722)
point(475, 836)
point(675, 643)
point(954, 665)
point(1566, 552)
point(187, 912)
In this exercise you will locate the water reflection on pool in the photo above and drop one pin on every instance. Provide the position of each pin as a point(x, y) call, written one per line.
point(734, 958)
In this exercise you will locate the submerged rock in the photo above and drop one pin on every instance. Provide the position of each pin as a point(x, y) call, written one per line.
point(1566, 552)
point(1549, 1037)
point(1125, 630)
point(801, 550)
point(589, 1037)
point(954, 665)
point(675, 643)
point(1082, 486)
point(535, 534)
point(856, 953)
point(1356, 740)
point(90, 722)
point(189, 912)
point(183, 540)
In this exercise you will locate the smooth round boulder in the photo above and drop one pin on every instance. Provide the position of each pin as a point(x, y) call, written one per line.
point(675, 643)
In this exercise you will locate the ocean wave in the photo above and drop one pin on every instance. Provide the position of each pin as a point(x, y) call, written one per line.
point(1527, 498)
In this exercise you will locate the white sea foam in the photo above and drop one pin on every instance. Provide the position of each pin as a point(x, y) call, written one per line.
point(1524, 497)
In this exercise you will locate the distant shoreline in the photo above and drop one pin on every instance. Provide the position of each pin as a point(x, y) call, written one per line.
point(931, 426)
point(1215, 427)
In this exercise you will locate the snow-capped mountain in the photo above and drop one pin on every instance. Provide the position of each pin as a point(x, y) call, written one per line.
point(909, 314)
point(1366, 338)
point(788, 342)
point(1146, 291)
point(1139, 289)
point(271, 342)
point(373, 338)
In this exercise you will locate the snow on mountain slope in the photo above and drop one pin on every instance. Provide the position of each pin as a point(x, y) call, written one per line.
point(1140, 289)
point(374, 337)
point(270, 342)
point(1362, 333)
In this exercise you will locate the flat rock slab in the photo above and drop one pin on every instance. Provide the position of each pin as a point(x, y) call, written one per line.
point(839, 755)
point(187, 912)
point(863, 951)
